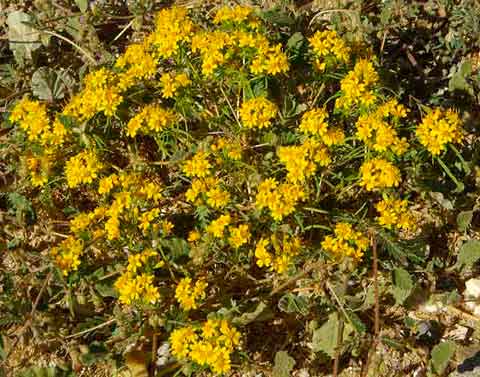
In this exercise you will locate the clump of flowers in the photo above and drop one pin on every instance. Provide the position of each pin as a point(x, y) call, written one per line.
point(395, 213)
point(172, 28)
point(189, 294)
point(258, 113)
point(357, 86)
point(314, 122)
point(198, 165)
point(38, 167)
point(152, 118)
point(217, 226)
point(171, 83)
point(379, 173)
point(282, 255)
point(32, 118)
point(280, 199)
point(236, 14)
point(346, 242)
point(82, 168)
point(380, 135)
point(209, 345)
point(328, 48)
point(301, 161)
point(439, 128)
point(239, 235)
point(136, 287)
point(67, 254)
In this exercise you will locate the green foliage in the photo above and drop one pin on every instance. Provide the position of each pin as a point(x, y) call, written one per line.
point(426, 55)
point(284, 364)
point(441, 355)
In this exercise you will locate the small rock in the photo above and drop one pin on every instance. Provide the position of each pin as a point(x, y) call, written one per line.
point(459, 333)
point(472, 288)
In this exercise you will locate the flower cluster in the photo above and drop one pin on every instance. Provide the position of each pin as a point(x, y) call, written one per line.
point(136, 287)
point(379, 173)
point(301, 161)
point(257, 113)
point(279, 198)
point(82, 168)
point(189, 294)
point(172, 28)
point(38, 168)
point(438, 128)
point(236, 14)
point(152, 118)
point(357, 86)
point(210, 345)
point(328, 48)
point(32, 117)
point(67, 254)
point(378, 133)
point(100, 94)
point(395, 213)
point(314, 123)
point(198, 165)
point(171, 83)
point(347, 242)
point(282, 255)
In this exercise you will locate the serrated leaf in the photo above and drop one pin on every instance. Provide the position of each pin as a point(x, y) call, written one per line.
point(284, 364)
point(106, 290)
point(463, 220)
point(48, 84)
point(469, 253)
point(325, 338)
point(295, 41)
point(23, 39)
point(249, 317)
point(441, 355)
point(402, 285)
point(291, 303)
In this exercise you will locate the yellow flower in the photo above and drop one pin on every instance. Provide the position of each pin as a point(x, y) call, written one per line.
point(438, 128)
point(327, 44)
point(279, 199)
point(258, 113)
point(82, 168)
point(346, 243)
point(188, 294)
point(395, 213)
point(152, 118)
point(198, 166)
point(217, 198)
point(239, 235)
point(67, 254)
point(216, 227)
point(193, 236)
point(378, 173)
point(357, 86)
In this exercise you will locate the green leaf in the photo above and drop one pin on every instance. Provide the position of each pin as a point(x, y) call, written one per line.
point(441, 355)
point(325, 338)
point(23, 39)
point(402, 285)
point(48, 84)
point(463, 220)
point(295, 41)
point(259, 313)
point(82, 5)
point(469, 253)
point(291, 303)
point(106, 290)
point(283, 364)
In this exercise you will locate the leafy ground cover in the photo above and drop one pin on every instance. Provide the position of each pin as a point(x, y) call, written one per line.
point(280, 188)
